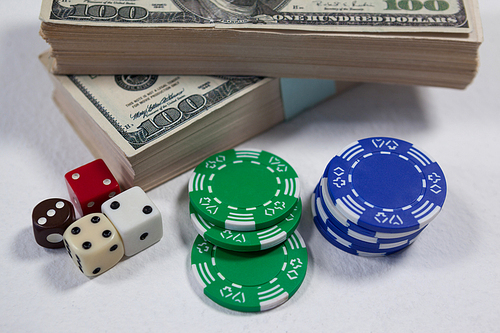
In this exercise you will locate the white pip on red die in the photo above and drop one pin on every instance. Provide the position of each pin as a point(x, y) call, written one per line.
point(136, 218)
point(94, 244)
point(90, 185)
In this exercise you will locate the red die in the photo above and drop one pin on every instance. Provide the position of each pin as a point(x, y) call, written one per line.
point(90, 185)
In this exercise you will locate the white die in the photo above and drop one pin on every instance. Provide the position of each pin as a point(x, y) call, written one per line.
point(94, 244)
point(136, 218)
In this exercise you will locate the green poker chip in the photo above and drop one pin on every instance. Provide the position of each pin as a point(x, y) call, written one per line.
point(250, 281)
point(247, 240)
point(244, 189)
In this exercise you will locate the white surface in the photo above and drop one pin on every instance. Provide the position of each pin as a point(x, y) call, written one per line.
point(447, 281)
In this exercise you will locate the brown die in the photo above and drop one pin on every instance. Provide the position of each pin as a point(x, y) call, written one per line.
point(94, 244)
point(50, 219)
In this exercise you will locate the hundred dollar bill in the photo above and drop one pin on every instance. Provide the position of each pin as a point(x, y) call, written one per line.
point(313, 15)
point(138, 110)
point(151, 128)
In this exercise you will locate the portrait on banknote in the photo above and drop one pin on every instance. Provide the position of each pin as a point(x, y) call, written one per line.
point(232, 10)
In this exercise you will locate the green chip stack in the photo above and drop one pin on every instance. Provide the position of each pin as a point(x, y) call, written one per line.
point(245, 205)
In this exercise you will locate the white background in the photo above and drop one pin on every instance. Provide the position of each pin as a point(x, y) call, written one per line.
point(447, 281)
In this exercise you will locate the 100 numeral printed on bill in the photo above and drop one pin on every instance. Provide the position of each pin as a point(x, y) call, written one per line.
point(144, 108)
point(312, 15)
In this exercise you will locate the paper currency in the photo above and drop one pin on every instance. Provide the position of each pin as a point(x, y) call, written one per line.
point(151, 128)
point(314, 15)
point(143, 108)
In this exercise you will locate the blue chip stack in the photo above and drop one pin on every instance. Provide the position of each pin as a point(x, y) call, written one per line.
point(377, 195)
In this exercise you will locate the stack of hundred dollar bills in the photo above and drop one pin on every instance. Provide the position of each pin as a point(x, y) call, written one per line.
point(150, 128)
point(422, 42)
point(150, 86)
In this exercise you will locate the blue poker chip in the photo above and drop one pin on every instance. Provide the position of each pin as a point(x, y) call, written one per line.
point(367, 245)
point(352, 229)
point(355, 237)
point(386, 184)
point(344, 245)
point(344, 239)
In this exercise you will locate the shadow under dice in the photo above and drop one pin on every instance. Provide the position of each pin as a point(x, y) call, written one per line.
point(136, 218)
point(50, 219)
point(90, 185)
point(94, 244)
